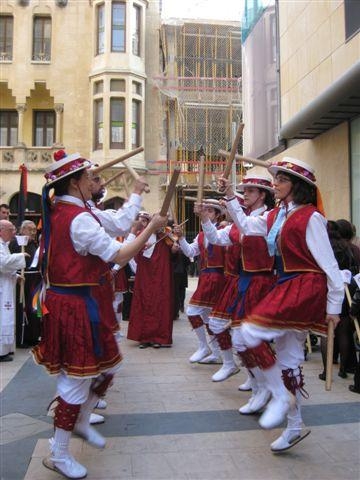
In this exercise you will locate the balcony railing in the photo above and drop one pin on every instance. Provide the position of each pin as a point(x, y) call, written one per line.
point(41, 57)
point(5, 56)
point(34, 157)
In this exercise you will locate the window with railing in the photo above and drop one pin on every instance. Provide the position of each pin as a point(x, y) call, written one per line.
point(136, 29)
point(117, 123)
point(8, 128)
point(44, 128)
point(98, 124)
point(118, 27)
point(41, 39)
point(135, 124)
point(100, 29)
point(6, 37)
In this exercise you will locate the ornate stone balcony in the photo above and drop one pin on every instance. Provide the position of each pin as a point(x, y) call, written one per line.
point(36, 158)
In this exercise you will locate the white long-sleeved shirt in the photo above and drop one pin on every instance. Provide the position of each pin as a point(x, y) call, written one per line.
point(118, 222)
point(88, 236)
point(317, 241)
point(221, 237)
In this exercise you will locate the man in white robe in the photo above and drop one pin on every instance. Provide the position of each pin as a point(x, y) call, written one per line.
point(9, 264)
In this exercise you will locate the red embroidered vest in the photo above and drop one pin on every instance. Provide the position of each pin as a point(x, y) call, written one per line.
point(294, 251)
point(254, 256)
point(212, 256)
point(232, 253)
point(66, 266)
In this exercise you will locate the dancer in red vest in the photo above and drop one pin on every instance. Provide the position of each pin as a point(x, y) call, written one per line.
point(77, 344)
point(211, 280)
point(308, 293)
point(254, 278)
point(115, 223)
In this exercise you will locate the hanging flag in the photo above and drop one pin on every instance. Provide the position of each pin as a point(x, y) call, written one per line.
point(22, 199)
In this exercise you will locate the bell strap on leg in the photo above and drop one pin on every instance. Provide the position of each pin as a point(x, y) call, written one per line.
point(261, 356)
point(196, 321)
point(294, 382)
point(66, 415)
point(224, 339)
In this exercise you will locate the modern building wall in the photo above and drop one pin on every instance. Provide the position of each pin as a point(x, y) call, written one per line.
point(314, 54)
point(318, 56)
point(313, 50)
point(328, 154)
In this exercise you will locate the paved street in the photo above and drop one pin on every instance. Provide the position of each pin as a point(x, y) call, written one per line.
point(167, 420)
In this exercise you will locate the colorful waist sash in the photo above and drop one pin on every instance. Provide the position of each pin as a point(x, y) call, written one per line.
point(92, 309)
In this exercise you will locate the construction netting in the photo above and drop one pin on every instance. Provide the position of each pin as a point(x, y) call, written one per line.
point(200, 88)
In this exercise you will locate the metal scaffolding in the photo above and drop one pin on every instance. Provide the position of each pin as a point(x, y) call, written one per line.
point(200, 87)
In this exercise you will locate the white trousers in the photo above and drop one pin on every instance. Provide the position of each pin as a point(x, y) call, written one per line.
point(204, 312)
point(289, 344)
point(76, 390)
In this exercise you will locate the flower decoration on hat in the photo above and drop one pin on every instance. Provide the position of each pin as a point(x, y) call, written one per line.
point(65, 165)
point(296, 167)
point(59, 155)
point(256, 181)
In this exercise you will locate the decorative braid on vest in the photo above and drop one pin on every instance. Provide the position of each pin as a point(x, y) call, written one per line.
point(66, 415)
point(102, 383)
point(224, 339)
point(294, 381)
point(263, 356)
point(208, 329)
point(196, 321)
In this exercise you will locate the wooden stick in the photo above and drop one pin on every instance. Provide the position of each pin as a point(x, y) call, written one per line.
point(192, 199)
point(200, 190)
point(230, 159)
point(357, 327)
point(173, 214)
point(308, 343)
point(231, 155)
point(329, 355)
point(114, 177)
point(255, 161)
point(126, 186)
point(111, 163)
point(355, 320)
point(242, 159)
point(170, 191)
point(134, 174)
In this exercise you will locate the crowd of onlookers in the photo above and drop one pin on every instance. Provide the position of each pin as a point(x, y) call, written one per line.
point(26, 322)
